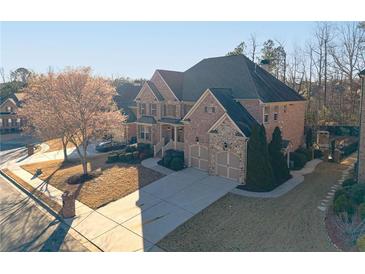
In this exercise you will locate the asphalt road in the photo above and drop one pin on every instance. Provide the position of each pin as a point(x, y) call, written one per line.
point(24, 227)
point(291, 222)
point(15, 140)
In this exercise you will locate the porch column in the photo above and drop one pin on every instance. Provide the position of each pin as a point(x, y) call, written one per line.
point(175, 135)
point(160, 132)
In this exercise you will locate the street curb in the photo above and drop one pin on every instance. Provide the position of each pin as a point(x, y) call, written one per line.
point(89, 245)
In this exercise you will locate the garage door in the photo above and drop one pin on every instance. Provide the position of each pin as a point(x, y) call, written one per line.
point(228, 165)
point(199, 157)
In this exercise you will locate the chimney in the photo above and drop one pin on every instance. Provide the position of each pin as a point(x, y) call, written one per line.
point(265, 64)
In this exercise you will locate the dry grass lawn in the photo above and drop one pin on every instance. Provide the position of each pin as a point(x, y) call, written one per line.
point(114, 182)
point(56, 144)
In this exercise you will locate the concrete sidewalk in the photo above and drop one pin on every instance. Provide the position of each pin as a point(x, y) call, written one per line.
point(139, 220)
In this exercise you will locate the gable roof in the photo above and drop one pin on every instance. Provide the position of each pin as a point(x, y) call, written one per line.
point(246, 80)
point(155, 91)
point(15, 98)
point(238, 113)
point(174, 79)
point(126, 94)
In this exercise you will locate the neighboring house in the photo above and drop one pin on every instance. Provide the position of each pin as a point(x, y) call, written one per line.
point(208, 111)
point(125, 101)
point(9, 121)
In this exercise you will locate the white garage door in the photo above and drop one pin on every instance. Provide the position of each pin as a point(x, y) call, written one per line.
point(228, 165)
point(199, 157)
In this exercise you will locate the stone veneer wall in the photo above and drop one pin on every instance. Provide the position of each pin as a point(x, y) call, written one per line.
point(361, 172)
point(226, 132)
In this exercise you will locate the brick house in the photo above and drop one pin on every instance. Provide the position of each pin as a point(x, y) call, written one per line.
point(9, 121)
point(208, 111)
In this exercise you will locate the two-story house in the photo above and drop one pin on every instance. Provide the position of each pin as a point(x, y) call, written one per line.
point(9, 121)
point(208, 112)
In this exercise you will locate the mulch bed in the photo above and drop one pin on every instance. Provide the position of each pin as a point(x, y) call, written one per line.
point(338, 237)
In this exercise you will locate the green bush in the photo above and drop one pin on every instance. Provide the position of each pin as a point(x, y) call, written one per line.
point(348, 182)
point(260, 175)
point(361, 210)
point(318, 154)
point(173, 159)
point(357, 193)
point(113, 158)
point(361, 243)
point(340, 192)
point(342, 204)
point(306, 152)
point(177, 164)
point(131, 149)
point(299, 160)
point(347, 150)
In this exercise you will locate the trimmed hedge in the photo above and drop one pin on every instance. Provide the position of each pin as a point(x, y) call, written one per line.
point(299, 160)
point(132, 154)
point(173, 159)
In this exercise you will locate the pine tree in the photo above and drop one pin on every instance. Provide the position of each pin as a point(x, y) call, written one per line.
point(260, 175)
point(278, 162)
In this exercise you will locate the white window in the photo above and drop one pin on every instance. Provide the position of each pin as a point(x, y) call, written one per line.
point(9, 109)
point(266, 114)
point(144, 132)
point(142, 109)
point(9, 121)
point(209, 109)
point(170, 110)
point(1, 121)
point(18, 120)
point(153, 109)
point(276, 113)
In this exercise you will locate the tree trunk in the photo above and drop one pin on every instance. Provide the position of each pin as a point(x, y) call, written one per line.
point(84, 159)
point(64, 146)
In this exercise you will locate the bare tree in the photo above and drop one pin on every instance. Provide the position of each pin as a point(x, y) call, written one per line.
point(253, 47)
point(347, 53)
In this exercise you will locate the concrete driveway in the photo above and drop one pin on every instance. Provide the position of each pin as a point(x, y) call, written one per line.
point(146, 216)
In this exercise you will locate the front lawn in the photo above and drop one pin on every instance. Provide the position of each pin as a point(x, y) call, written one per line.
point(56, 144)
point(111, 182)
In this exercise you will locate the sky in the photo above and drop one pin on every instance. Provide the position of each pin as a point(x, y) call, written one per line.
point(133, 49)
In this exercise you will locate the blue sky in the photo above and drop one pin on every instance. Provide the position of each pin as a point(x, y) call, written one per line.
point(133, 49)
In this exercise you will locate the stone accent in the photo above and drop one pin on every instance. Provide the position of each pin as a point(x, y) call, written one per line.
point(361, 160)
point(226, 132)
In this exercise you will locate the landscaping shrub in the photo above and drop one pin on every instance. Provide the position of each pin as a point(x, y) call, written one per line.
point(260, 176)
point(357, 193)
point(343, 204)
point(306, 152)
point(339, 192)
point(173, 159)
point(347, 150)
point(177, 164)
point(131, 149)
point(113, 158)
point(299, 160)
point(348, 182)
point(278, 161)
point(361, 243)
point(318, 154)
point(361, 211)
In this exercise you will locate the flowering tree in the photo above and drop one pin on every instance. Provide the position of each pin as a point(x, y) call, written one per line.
point(74, 104)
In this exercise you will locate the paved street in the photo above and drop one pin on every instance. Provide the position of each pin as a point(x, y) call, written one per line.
point(24, 227)
point(292, 222)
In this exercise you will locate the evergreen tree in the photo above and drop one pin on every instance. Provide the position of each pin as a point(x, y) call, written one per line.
point(260, 175)
point(278, 161)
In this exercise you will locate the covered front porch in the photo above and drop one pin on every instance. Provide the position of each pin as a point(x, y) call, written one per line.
point(171, 136)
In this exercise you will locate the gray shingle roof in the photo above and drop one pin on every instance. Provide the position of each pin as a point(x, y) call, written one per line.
point(170, 120)
point(174, 79)
point(235, 110)
point(155, 91)
point(246, 80)
point(147, 120)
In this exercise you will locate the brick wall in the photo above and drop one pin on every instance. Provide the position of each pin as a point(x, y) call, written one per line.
point(162, 87)
point(201, 122)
